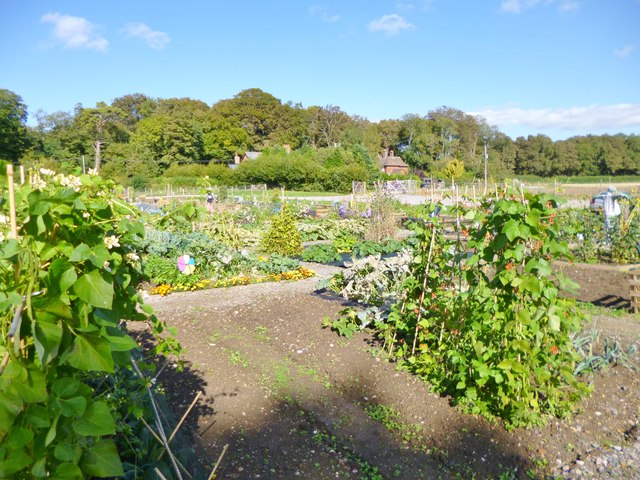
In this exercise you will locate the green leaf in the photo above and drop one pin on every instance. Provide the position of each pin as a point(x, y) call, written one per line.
point(34, 389)
point(473, 260)
point(51, 309)
point(554, 323)
point(10, 406)
point(66, 387)
point(42, 227)
point(524, 317)
point(18, 437)
point(531, 284)
point(533, 218)
point(67, 279)
point(68, 471)
point(8, 299)
point(94, 289)
point(39, 469)
point(72, 407)
point(38, 416)
point(9, 248)
point(510, 229)
point(51, 434)
point(61, 276)
point(81, 253)
point(16, 461)
point(47, 340)
point(91, 354)
point(120, 341)
point(102, 460)
point(100, 255)
point(64, 452)
point(96, 421)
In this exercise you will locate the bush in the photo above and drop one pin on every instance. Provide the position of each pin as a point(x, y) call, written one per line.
point(283, 236)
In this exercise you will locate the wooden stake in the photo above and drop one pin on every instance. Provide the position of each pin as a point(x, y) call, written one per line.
point(213, 472)
point(424, 287)
point(21, 174)
point(12, 202)
point(175, 430)
point(159, 473)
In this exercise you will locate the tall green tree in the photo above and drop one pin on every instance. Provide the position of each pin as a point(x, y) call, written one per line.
point(13, 130)
point(222, 139)
point(327, 125)
point(418, 142)
point(265, 119)
point(389, 134)
point(446, 125)
point(136, 107)
point(165, 139)
point(99, 127)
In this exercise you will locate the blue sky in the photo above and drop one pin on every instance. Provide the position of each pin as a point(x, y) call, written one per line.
point(558, 67)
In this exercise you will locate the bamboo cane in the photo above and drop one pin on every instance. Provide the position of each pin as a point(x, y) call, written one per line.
point(12, 202)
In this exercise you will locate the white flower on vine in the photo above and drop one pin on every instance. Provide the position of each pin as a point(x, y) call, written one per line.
point(92, 172)
point(70, 181)
point(132, 257)
point(111, 241)
point(38, 183)
point(46, 171)
point(86, 215)
point(2, 237)
point(3, 219)
point(106, 266)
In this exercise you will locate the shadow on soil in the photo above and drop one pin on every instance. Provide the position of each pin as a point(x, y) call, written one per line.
point(329, 438)
point(613, 301)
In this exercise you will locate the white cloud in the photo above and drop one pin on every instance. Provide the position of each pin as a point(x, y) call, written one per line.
point(568, 5)
point(157, 40)
point(390, 24)
point(409, 5)
point(624, 51)
point(590, 118)
point(518, 6)
point(75, 32)
point(324, 15)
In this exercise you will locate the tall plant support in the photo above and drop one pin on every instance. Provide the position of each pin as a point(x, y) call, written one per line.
point(12, 202)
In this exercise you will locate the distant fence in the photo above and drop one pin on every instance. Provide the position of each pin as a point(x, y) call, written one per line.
point(397, 186)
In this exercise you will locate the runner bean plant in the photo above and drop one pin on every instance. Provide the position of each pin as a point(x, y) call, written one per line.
point(68, 281)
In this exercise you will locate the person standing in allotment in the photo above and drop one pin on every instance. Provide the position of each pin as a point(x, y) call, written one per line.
point(611, 210)
point(210, 199)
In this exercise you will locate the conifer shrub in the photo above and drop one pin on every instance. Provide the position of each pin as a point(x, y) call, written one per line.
point(283, 237)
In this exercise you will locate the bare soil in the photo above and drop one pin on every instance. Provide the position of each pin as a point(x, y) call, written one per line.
point(289, 397)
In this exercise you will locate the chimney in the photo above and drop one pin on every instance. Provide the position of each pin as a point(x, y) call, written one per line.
point(236, 159)
point(287, 148)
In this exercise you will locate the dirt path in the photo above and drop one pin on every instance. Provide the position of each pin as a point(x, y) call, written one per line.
point(290, 398)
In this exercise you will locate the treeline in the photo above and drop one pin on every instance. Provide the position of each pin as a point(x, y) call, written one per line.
point(137, 137)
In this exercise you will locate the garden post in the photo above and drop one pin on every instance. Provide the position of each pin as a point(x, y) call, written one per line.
point(12, 202)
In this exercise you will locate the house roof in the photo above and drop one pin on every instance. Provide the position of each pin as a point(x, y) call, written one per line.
point(393, 161)
point(252, 155)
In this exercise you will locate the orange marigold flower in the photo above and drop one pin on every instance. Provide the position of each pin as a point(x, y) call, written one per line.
point(554, 350)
